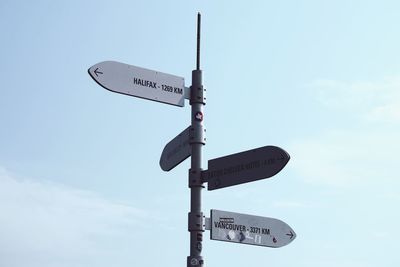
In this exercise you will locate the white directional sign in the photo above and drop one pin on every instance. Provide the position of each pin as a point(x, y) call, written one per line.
point(244, 167)
point(250, 229)
point(176, 151)
point(134, 81)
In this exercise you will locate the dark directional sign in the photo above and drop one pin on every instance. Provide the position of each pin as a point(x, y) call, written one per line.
point(176, 151)
point(134, 81)
point(250, 229)
point(244, 167)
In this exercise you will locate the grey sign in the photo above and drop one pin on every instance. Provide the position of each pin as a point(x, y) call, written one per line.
point(244, 167)
point(176, 151)
point(250, 229)
point(134, 81)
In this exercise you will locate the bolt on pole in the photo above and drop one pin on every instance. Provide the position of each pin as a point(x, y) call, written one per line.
point(197, 141)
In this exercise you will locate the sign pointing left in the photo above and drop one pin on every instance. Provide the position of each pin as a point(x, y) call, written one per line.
point(97, 72)
point(144, 83)
point(176, 151)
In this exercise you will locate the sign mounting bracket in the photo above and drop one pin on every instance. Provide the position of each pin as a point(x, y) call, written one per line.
point(207, 223)
point(186, 92)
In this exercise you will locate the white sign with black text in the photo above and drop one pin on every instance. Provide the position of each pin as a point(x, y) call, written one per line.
point(144, 83)
point(250, 229)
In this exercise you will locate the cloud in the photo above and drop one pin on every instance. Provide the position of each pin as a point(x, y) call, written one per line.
point(290, 204)
point(45, 224)
point(389, 112)
point(365, 153)
point(347, 158)
point(375, 101)
point(340, 262)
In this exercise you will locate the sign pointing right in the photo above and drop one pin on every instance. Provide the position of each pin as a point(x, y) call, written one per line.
point(250, 229)
point(244, 167)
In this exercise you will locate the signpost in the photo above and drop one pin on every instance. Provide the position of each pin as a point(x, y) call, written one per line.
point(239, 168)
point(197, 141)
point(134, 81)
point(249, 229)
point(244, 167)
point(176, 151)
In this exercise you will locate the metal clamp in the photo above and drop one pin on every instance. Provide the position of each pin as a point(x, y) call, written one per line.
point(197, 135)
point(195, 179)
point(198, 93)
point(196, 221)
point(198, 96)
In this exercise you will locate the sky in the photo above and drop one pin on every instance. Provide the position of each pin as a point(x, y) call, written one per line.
point(80, 181)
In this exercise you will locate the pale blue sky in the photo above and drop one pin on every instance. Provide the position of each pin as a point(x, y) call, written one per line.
point(80, 183)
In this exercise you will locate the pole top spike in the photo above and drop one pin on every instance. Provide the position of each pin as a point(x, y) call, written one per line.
point(198, 41)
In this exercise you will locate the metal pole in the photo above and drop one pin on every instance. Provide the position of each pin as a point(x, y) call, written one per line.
point(197, 140)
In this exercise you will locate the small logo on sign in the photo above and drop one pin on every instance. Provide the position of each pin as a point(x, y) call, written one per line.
point(231, 235)
point(242, 237)
point(199, 116)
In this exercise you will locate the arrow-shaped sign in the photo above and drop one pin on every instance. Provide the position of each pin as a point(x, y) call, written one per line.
point(134, 81)
point(176, 151)
point(249, 229)
point(244, 167)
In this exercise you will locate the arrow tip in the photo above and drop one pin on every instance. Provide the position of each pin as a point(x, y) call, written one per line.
point(97, 72)
point(92, 72)
point(291, 234)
